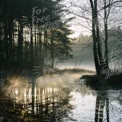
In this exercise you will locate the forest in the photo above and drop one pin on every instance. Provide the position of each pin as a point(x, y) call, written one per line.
point(31, 32)
point(56, 56)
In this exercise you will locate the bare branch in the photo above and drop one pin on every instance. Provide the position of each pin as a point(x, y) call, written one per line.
point(108, 5)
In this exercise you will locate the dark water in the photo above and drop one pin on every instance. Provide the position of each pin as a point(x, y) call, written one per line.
point(62, 98)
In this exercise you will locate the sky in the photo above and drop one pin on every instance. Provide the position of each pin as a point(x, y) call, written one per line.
point(76, 24)
point(78, 29)
point(80, 25)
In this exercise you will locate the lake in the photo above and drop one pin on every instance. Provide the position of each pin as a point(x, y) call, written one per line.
point(63, 97)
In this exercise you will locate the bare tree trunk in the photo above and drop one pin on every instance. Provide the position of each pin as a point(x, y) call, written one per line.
point(106, 32)
point(97, 46)
point(94, 33)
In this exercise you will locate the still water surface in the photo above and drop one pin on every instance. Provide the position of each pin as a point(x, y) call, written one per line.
point(64, 98)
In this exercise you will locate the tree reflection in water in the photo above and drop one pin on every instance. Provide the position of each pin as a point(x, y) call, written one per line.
point(102, 102)
point(51, 98)
point(48, 104)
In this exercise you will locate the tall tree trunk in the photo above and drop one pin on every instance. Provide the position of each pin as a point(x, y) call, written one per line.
point(35, 47)
point(98, 39)
point(2, 57)
point(95, 47)
point(31, 45)
point(6, 44)
point(31, 65)
point(41, 51)
point(10, 41)
point(45, 43)
point(20, 45)
point(52, 50)
point(106, 32)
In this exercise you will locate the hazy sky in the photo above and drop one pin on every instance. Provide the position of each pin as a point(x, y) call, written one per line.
point(80, 25)
point(77, 25)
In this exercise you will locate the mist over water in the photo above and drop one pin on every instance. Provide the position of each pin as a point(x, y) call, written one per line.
point(66, 86)
point(82, 59)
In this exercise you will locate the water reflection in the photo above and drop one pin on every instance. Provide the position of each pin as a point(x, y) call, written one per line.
point(46, 98)
point(57, 98)
point(108, 106)
point(49, 104)
point(102, 101)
